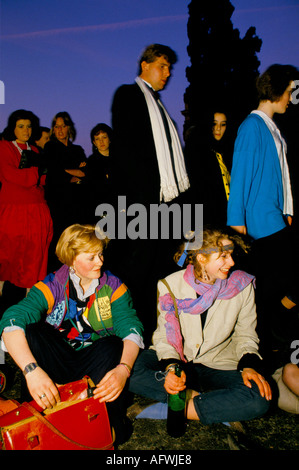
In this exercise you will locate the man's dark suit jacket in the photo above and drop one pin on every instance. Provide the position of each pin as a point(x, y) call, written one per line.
point(137, 164)
point(141, 262)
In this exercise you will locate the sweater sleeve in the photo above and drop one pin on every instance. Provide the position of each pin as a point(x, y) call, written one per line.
point(244, 337)
point(125, 319)
point(252, 361)
point(243, 171)
point(10, 171)
point(29, 310)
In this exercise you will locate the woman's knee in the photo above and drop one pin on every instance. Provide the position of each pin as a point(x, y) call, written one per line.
point(236, 404)
point(290, 371)
point(145, 379)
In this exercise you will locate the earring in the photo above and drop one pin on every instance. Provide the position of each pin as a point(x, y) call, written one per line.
point(204, 273)
point(72, 271)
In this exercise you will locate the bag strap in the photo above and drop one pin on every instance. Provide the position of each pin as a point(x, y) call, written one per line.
point(56, 431)
point(173, 298)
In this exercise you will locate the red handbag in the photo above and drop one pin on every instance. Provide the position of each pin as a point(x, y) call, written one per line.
point(78, 422)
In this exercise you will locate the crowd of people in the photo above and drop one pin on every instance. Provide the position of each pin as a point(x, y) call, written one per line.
point(155, 302)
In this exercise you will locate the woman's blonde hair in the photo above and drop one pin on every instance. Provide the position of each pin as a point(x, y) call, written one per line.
point(68, 122)
point(211, 239)
point(78, 239)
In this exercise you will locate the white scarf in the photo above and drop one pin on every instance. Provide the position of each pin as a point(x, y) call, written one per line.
point(281, 148)
point(168, 187)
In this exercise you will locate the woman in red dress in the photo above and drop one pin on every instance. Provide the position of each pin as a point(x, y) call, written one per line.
point(25, 222)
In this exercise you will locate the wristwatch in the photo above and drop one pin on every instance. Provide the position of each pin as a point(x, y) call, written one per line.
point(30, 367)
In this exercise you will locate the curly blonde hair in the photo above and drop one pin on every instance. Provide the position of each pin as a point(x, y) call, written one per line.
point(211, 238)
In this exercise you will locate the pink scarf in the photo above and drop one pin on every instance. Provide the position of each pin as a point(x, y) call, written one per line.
point(221, 289)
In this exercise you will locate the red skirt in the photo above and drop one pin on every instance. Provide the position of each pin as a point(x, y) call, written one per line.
point(26, 231)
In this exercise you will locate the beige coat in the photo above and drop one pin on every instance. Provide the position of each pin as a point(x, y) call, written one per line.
point(229, 331)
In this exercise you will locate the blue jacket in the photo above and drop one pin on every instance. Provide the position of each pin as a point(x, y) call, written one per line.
point(256, 191)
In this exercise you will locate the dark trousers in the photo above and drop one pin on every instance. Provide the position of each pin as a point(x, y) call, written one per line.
point(63, 364)
point(274, 263)
point(223, 395)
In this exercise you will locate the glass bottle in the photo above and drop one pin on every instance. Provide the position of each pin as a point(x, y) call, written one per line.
point(176, 421)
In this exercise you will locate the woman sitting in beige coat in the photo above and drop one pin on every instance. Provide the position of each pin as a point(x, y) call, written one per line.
point(213, 338)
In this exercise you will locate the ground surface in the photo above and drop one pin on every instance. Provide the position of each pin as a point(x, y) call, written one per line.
point(276, 431)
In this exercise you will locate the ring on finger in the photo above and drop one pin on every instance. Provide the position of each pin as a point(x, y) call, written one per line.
point(42, 396)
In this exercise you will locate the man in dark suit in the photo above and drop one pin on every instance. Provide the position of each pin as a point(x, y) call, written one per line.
point(150, 164)
point(136, 130)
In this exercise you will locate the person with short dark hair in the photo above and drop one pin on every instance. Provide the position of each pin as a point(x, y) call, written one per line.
point(42, 137)
point(153, 52)
point(141, 137)
point(99, 179)
point(272, 84)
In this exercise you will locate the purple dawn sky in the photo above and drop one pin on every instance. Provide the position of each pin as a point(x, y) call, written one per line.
point(70, 55)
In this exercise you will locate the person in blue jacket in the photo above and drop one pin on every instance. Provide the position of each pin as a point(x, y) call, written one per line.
point(261, 203)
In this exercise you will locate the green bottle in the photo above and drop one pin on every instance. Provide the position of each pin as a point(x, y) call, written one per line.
point(176, 421)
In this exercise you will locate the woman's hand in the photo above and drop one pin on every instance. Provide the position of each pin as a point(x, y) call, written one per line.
point(77, 173)
point(264, 388)
point(42, 388)
point(174, 384)
point(240, 229)
point(111, 385)
point(74, 179)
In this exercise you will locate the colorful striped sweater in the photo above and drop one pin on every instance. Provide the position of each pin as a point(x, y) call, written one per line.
point(49, 300)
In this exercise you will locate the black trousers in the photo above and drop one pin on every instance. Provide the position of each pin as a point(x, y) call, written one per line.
point(274, 261)
point(63, 364)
